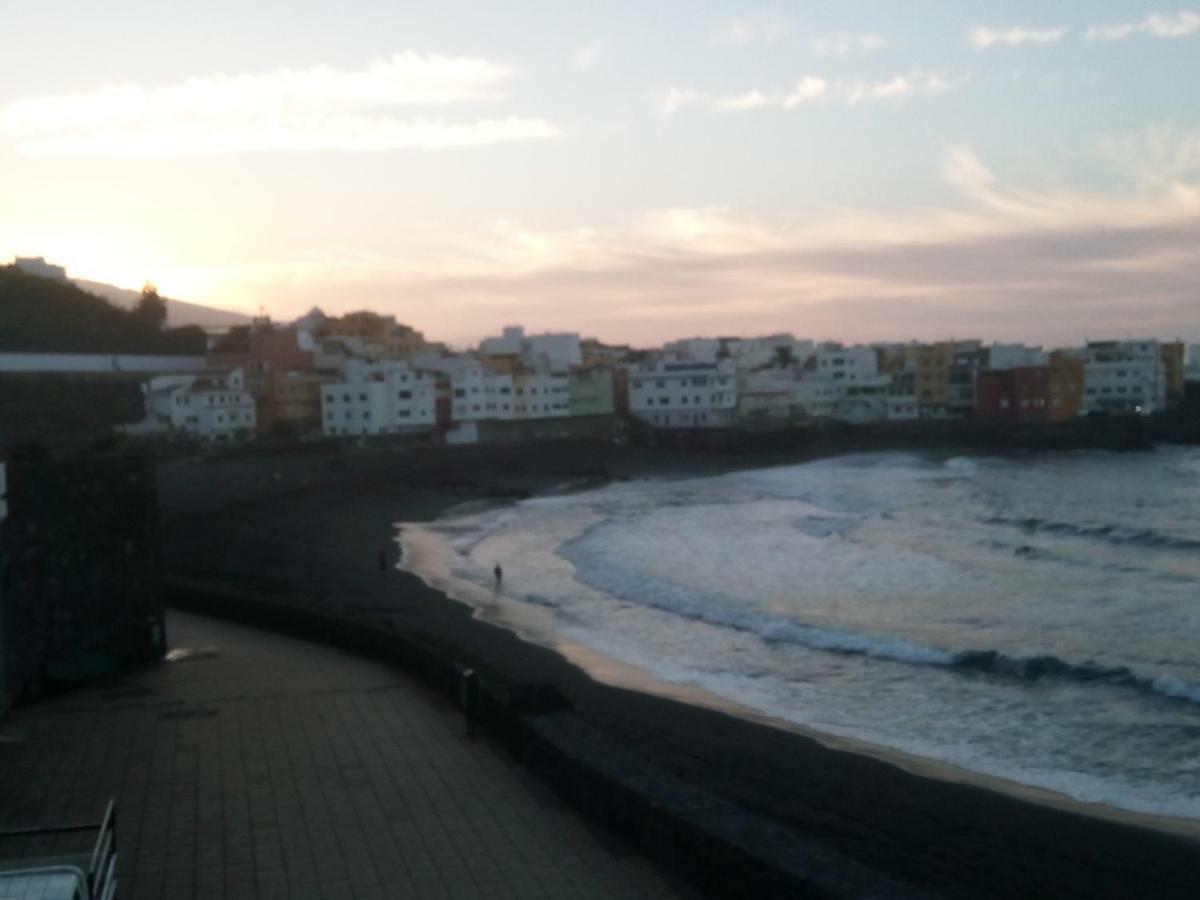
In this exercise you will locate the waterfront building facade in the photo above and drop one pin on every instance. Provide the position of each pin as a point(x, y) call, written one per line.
point(378, 398)
point(1123, 377)
point(683, 394)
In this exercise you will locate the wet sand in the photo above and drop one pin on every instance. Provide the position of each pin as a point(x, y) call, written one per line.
point(308, 530)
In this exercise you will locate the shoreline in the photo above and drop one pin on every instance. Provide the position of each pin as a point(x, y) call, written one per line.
point(310, 539)
point(629, 676)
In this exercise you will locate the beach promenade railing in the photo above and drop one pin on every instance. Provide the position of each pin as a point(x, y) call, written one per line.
point(70, 876)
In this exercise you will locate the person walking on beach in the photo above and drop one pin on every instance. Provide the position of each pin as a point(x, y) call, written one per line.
point(499, 573)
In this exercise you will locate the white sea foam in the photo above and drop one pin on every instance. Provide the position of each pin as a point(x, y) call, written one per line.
point(880, 596)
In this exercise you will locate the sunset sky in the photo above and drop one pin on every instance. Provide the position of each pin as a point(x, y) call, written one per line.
point(635, 171)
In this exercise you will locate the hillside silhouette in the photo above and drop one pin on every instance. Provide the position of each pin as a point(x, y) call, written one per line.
point(44, 315)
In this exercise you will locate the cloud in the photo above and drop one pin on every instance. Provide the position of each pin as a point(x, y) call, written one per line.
point(813, 90)
point(843, 44)
point(1159, 25)
point(981, 38)
point(588, 55)
point(1161, 155)
point(743, 32)
point(1005, 262)
point(318, 108)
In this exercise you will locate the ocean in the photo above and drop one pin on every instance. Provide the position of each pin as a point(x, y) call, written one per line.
point(1035, 618)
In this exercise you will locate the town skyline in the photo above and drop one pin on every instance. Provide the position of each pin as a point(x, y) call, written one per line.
point(858, 174)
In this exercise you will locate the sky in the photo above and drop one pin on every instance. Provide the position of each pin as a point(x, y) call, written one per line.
point(634, 171)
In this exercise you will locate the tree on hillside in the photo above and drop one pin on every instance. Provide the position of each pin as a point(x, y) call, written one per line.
point(151, 310)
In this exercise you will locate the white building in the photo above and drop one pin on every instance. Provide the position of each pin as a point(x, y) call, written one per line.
point(697, 349)
point(845, 383)
point(684, 394)
point(752, 354)
point(215, 405)
point(480, 392)
point(554, 351)
point(765, 397)
point(846, 364)
point(1123, 377)
point(378, 398)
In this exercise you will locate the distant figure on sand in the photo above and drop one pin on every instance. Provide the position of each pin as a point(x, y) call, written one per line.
point(382, 560)
point(499, 573)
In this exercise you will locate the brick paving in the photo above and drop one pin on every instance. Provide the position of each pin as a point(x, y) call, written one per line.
point(262, 766)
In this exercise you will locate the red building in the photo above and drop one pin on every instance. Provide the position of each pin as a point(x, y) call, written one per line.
point(1049, 393)
point(1014, 395)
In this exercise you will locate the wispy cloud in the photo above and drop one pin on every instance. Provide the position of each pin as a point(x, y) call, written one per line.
point(813, 90)
point(1007, 262)
point(588, 55)
point(318, 108)
point(743, 32)
point(843, 44)
point(1159, 25)
point(981, 37)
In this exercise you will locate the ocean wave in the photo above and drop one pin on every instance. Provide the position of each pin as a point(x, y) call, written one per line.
point(1115, 534)
point(648, 590)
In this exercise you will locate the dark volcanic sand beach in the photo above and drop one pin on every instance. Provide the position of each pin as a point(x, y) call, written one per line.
point(307, 528)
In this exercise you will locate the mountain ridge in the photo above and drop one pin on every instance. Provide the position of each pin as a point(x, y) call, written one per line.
point(179, 312)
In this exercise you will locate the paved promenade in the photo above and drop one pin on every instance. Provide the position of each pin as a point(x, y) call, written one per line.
point(255, 765)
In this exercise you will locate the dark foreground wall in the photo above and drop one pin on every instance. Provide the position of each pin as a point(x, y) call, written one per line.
point(82, 585)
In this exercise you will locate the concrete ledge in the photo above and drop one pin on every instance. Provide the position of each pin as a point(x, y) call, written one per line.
point(720, 848)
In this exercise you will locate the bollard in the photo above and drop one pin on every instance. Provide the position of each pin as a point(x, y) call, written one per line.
point(470, 699)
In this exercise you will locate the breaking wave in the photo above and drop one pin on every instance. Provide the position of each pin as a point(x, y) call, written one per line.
point(1115, 534)
point(649, 590)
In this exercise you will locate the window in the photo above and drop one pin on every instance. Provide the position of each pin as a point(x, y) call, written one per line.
point(459, 392)
point(362, 398)
point(405, 395)
point(346, 397)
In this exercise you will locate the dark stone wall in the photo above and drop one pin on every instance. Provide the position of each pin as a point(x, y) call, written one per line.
point(82, 586)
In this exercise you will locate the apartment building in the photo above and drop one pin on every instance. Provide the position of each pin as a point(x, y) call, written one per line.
point(378, 398)
point(1123, 377)
point(214, 406)
point(683, 394)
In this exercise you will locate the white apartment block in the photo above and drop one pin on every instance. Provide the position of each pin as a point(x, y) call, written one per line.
point(478, 393)
point(378, 398)
point(698, 349)
point(556, 352)
point(1123, 377)
point(851, 398)
point(752, 354)
point(846, 364)
point(684, 394)
point(215, 406)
